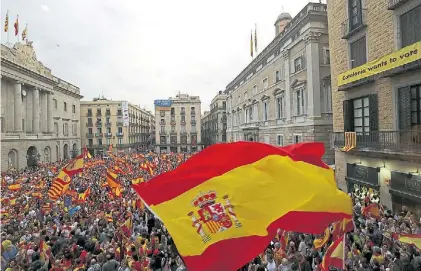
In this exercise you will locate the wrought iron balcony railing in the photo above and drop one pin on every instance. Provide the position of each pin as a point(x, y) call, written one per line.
point(382, 141)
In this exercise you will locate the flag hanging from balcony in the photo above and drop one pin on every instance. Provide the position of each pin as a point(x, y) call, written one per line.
point(350, 141)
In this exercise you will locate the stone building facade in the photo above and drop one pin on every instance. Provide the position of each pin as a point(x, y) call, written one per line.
point(284, 96)
point(39, 112)
point(121, 124)
point(177, 124)
point(214, 122)
point(376, 93)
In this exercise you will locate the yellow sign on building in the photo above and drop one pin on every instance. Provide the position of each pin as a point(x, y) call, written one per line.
point(396, 59)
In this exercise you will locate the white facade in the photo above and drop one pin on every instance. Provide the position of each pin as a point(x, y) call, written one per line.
point(40, 118)
point(177, 127)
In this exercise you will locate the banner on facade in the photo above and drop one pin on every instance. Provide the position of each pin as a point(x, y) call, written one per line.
point(396, 59)
point(125, 108)
point(163, 105)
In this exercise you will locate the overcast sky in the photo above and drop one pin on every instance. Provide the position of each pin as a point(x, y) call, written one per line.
point(139, 50)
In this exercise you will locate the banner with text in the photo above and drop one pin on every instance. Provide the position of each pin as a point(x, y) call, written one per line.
point(163, 105)
point(396, 59)
point(126, 119)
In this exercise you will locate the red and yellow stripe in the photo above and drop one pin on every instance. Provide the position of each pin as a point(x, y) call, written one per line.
point(269, 187)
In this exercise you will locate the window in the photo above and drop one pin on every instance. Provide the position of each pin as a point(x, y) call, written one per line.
point(65, 129)
point(250, 112)
point(65, 106)
point(224, 105)
point(280, 106)
point(119, 113)
point(162, 113)
point(193, 110)
point(162, 122)
point(183, 118)
point(56, 128)
point(193, 128)
point(267, 139)
point(280, 140)
point(99, 130)
point(172, 111)
point(183, 110)
point(326, 56)
point(297, 139)
point(265, 83)
point(299, 102)
point(256, 112)
point(109, 130)
point(173, 139)
point(361, 119)
point(326, 96)
point(265, 111)
point(255, 89)
point(355, 14)
point(55, 103)
point(120, 130)
point(298, 64)
point(90, 131)
point(410, 25)
point(119, 141)
point(90, 142)
point(73, 109)
point(245, 95)
point(277, 76)
point(172, 128)
point(162, 129)
point(183, 128)
point(358, 53)
point(108, 141)
point(183, 139)
point(416, 105)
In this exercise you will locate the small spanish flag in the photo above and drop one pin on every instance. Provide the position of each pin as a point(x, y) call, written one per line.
point(334, 256)
point(236, 194)
point(17, 25)
point(6, 22)
point(14, 187)
point(320, 242)
point(251, 44)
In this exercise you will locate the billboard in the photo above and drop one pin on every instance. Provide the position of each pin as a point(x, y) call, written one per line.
point(125, 108)
point(163, 104)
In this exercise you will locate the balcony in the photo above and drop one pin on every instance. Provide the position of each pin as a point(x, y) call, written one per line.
point(163, 142)
point(119, 113)
point(394, 4)
point(89, 124)
point(108, 124)
point(183, 133)
point(108, 135)
point(88, 135)
point(98, 124)
point(183, 122)
point(119, 123)
point(193, 132)
point(349, 27)
point(173, 133)
point(193, 113)
point(382, 141)
point(107, 113)
point(183, 113)
point(173, 122)
point(162, 132)
point(193, 122)
point(98, 114)
point(119, 134)
point(99, 134)
point(162, 123)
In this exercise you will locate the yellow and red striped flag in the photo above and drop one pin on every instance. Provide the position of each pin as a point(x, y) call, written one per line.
point(334, 256)
point(236, 194)
point(17, 25)
point(6, 22)
point(137, 180)
point(62, 182)
point(113, 183)
point(15, 187)
point(86, 153)
point(127, 227)
point(25, 33)
point(342, 227)
point(83, 196)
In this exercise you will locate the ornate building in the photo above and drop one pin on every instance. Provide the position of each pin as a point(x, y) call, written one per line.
point(283, 96)
point(177, 122)
point(39, 112)
point(118, 123)
point(214, 122)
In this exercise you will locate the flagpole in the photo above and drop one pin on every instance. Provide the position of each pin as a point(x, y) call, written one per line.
point(344, 266)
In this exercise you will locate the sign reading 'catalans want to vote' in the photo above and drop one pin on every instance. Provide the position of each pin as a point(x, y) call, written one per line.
point(396, 59)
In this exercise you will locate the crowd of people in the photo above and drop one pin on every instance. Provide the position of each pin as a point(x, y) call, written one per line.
point(38, 233)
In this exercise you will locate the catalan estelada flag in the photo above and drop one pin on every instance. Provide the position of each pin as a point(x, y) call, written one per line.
point(334, 256)
point(236, 194)
point(412, 239)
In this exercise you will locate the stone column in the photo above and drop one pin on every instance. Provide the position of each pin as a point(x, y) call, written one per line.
point(50, 122)
point(35, 112)
point(313, 74)
point(18, 107)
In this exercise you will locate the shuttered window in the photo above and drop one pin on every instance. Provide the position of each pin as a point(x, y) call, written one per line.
point(410, 25)
point(358, 52)
point(361, 115)
point(416, 105)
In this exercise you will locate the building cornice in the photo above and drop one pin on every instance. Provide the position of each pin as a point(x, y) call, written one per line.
point(278, 42)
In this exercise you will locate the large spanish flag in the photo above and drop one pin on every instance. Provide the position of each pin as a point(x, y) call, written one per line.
point(237, 194)
point(412, 239)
